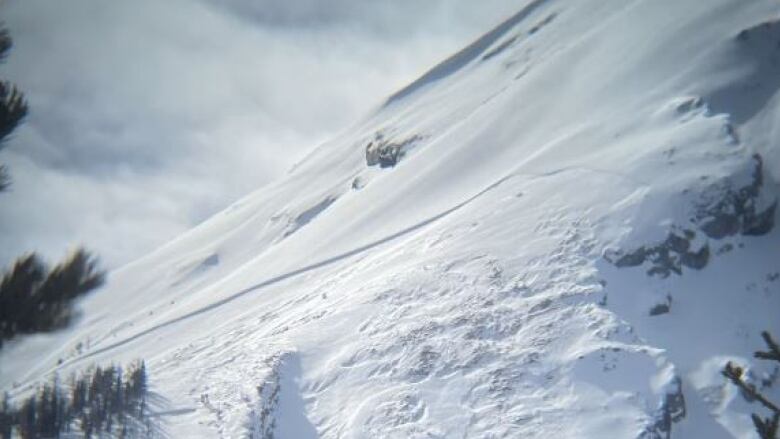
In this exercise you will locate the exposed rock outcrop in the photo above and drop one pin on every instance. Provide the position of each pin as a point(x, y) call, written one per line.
point(666, 257)
point(727, 211)
point(387, 152)
point(671, 410)
point(721, 211)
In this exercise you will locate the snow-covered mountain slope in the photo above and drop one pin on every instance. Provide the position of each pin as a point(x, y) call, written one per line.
point(565, 230)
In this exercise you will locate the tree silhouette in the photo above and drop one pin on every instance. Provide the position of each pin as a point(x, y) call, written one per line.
point(13, 107)
point(33, 298)
point(104, 402)
point(767, 427)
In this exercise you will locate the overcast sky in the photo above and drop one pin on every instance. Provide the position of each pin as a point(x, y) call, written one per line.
point(148, 116)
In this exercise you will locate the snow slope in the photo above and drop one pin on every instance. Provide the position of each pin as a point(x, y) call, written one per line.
point(578, 233)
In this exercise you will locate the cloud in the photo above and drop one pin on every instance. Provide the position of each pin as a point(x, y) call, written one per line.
point(147, 117)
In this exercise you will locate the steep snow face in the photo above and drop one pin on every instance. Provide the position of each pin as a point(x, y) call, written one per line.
point(565, 230)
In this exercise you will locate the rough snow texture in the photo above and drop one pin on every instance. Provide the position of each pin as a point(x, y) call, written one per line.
point(579, 235)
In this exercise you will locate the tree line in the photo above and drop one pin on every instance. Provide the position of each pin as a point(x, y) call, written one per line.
point(103, 401)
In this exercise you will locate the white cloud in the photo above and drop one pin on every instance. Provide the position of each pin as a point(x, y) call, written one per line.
point(148, 116)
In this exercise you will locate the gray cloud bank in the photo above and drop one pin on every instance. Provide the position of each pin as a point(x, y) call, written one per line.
point(147, 117)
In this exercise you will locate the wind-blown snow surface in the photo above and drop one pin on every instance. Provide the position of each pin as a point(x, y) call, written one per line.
point(577, 237)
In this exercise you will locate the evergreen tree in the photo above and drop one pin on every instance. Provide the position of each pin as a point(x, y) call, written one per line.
point(27, 419)
point(7, 417)
point(13, 107)
point(104, 400)
point(33, 299)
